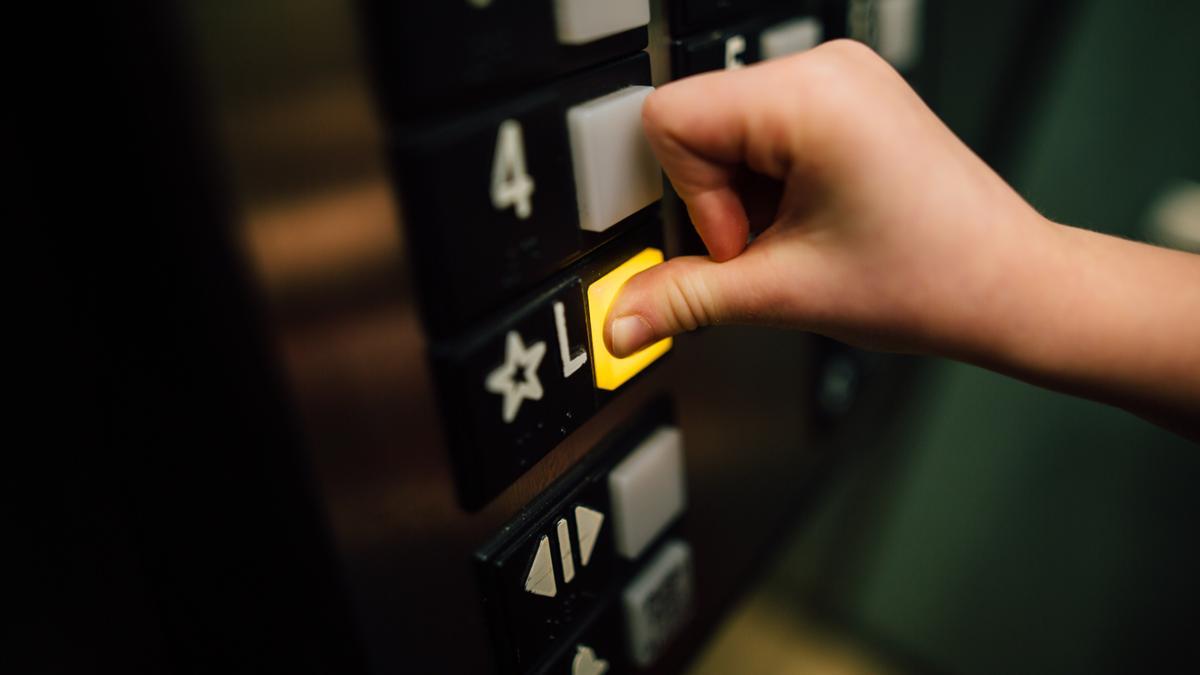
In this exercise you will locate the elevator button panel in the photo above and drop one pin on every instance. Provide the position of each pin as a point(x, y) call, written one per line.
point(489, 196)
point(616, 173)
point(612, 372)
point(550, 578)
point(598, 647)
point(647, 491)
point(489, 203)
point(736, 44)
point(728, 49)
point(557, 593)
point(515, 388)
point(690, 15)
point(433, 55)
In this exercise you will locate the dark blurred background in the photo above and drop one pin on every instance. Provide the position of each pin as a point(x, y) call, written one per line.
point(1000, 528)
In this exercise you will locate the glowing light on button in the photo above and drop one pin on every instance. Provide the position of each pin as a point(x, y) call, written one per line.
point(612, 372)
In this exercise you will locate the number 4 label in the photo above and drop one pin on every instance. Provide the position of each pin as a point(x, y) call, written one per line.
point(512, 186)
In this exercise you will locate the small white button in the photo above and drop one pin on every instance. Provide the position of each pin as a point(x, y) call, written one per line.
point(616, 173)
point(899, 32)
point(582, 21)
point(657, 602)
point(790, 37)
point(647, 491)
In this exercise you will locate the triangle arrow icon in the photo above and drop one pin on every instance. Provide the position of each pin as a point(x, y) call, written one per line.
point(540, 580)
point(588, 521)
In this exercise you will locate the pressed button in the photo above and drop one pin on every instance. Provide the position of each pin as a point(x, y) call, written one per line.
point(616, 173)
point(647, 491)
point(582, 21)
point(611, 372)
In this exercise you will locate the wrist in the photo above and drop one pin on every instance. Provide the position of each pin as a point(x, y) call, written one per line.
point(1013, 305)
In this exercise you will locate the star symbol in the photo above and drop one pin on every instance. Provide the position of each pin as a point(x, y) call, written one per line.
point(504, 380)
point(586, 663)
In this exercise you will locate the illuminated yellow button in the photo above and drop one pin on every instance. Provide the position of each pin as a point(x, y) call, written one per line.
point(612, 372)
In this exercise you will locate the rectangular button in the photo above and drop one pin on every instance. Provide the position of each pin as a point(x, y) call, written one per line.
point(514, 389)
point(616, 173)
point(611, 372)
point(583, 21)
point(899, 34)
point(790, 37)
point(648, 491)
point(658, 601)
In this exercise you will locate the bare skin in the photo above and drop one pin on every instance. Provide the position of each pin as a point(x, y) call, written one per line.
point(877, 226)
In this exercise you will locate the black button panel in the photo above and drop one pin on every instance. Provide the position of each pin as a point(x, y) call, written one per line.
point(490, 204)
point(432, 55)
point(599, 648)
point(690, 15)
point(717, 50)
point(552, 577)
point(515, 388)
point(553, 581)
point(739, 43)
point(489, 197)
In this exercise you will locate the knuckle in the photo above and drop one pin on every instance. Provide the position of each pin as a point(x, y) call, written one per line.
point(689, 300)
point(851, 52)
point(845, 61)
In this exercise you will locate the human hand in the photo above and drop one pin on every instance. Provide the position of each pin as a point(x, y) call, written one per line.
point(874, 223)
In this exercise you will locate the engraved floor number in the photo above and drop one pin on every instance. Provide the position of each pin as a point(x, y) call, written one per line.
point(512, 186)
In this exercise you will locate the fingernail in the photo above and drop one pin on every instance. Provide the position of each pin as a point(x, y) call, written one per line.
point(629, 334)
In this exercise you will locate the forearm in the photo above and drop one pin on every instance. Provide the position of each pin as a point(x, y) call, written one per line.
point(889, 233)
point(1105, 318)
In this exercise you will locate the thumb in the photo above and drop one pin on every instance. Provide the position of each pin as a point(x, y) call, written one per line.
point(683, 294)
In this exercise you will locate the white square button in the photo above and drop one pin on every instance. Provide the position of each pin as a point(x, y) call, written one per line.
point(616, 173)
point(899, 40)
point(582, 21)
point(647, 491)
point(790, 37)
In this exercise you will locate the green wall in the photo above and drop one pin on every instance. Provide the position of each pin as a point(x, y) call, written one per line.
point(1027, 531)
